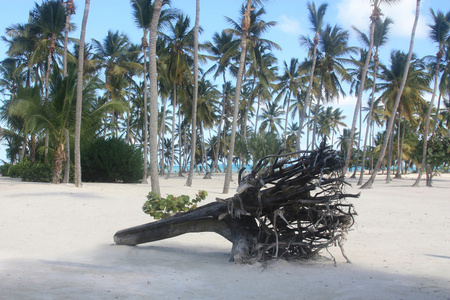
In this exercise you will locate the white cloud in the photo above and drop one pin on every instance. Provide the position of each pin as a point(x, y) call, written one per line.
point(357, 13)
point(403, 14)
point(289, 25)
point(354, 12)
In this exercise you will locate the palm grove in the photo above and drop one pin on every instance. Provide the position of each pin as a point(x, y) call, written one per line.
point(181, 105)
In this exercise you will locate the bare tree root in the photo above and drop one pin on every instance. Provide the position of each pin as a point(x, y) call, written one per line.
point(290, 206)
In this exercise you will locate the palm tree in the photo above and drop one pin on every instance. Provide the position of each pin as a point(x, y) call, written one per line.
point(180, 42)
point(142, 17)
point(337, 118)
point(333, 48)
point(316, 20)
point(375, 16)
point(154, 178)
point(221, 50)
point(50, 18)
point(70, 10)
point(271, 118)
point(260, 58)
point(243, 46)
point(439, 34)
point(79, 97)
point(56, 115)
point(415, 87)
point(379, 39)
point(369, 182)
point(111, 56)
point(194, 101)
point(289, 85)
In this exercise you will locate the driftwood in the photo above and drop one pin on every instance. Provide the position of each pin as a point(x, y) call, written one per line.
point(290, 206)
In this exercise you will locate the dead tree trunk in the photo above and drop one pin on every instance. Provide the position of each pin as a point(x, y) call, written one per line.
point(290, 206)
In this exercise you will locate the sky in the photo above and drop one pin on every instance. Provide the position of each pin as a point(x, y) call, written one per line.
point(291, 17)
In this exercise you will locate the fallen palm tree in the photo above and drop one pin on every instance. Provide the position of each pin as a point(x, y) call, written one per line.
point(290, 206)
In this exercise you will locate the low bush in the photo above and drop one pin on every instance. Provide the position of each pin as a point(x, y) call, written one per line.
point(160, 208)
point(36, 172)
point(4, 169)
point(17, 170)
point(111, 160)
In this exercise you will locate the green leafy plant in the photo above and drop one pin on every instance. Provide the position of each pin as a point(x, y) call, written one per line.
point(4, 169)
point(160, 208)
point(36, 172)
point(111, 160)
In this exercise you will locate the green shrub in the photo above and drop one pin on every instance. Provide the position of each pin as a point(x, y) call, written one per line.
point(160, 208)
point(111, 160)
point(17, 170)
point(36, 172)
point(4, 169)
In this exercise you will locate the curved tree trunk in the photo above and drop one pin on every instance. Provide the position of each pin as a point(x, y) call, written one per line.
point(369, 119)
point(243, 46)
point(398, 173)
point(427, 128)
point(308, 94)
point(369, 182)
point(389, 158)
point(374, 17)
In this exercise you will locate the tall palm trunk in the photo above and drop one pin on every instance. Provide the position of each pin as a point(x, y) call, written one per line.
point(161, 136)
point(154, 99)
point(145, 129)
point(181, 144)
point(389, 158)
point(398, 173)
point(308, 93)
point(219, 130)
point(67, 156)
point(172, 150)
point(194, 102)
point(47, 79)
point(374, 17)
point(243, 46)
point(427, 124)
point(369, 182)
point(285, 121)
point(70, 9)
point(358, 147)
point(58, 160)
point(80, 95)
point(369, 119)
point(249, 107)
point(204, 158)
point(436, 116)
point(258, 108)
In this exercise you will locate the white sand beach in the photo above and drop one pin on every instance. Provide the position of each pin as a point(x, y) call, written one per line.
point(56, 242)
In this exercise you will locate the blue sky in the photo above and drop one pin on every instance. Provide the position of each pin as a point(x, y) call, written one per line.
point(290, 15)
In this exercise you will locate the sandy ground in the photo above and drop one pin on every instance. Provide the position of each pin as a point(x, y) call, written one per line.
point(56, 242)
